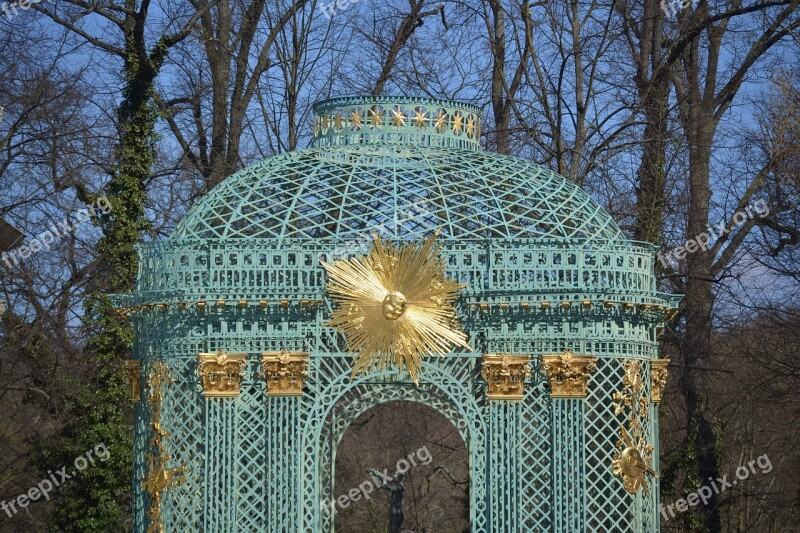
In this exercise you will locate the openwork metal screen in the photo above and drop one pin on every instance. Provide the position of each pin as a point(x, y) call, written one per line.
point(546, 270)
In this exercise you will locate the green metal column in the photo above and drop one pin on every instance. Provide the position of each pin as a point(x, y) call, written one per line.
point(505, 483)
point(221, 465)
point(569, 474)
point(285, 373)
point(568, 374)
point(283, 468)
point(505, 377)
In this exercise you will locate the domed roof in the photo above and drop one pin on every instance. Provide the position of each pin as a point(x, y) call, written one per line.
point(403, 167)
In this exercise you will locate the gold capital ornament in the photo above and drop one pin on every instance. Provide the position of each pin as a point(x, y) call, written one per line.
point(285, 372)
point(568, 373)
point(133, 371)
point(221, 373)
point(632, 458)
point(658, 378)
point(505, 375)
point(395, 305)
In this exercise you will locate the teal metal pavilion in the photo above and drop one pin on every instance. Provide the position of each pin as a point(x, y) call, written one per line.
point(244, 394)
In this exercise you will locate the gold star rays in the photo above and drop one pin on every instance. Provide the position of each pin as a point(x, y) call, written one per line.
point(395, 305)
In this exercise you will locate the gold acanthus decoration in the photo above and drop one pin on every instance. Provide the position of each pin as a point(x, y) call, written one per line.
point(658, 378)
point(568, 373)
point(285, 372)
point(159, 478)
point(505, 375)
point(632, 458)
point(395, 305)
point(221, 373)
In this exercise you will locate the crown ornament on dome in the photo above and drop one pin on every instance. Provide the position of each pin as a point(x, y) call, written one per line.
point(401, 120)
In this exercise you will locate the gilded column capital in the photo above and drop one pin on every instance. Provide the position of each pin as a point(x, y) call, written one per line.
point(221, 373)
point(658, 378)
point(505, 375)
point(133, 371)
point(568, 373)
point(285, 372)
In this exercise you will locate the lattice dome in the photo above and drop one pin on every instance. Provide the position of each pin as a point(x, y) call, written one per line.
point(354, 181)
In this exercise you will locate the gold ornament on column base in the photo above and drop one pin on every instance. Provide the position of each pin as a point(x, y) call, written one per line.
point(568, 373)
point(285, 372)
point(658, 378)
point(395, 305)
point(505, 375)
point(221, 373)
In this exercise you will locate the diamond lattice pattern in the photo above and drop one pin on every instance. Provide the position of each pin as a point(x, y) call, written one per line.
point(401, 192)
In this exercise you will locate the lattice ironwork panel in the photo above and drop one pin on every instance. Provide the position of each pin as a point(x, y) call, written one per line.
point(608, 506)
point(172, 270)
point(253, 456)
point(536, 455)
point(183, 417)
point(345, 191)
point(448, 381)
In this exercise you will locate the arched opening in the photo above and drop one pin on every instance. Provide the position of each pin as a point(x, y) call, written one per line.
point(401, 437)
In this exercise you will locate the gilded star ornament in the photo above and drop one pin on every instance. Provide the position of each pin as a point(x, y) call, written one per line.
point(420, 118)
point(338, 121)
point(376, 116)
point(458, 122)
point(440, 121)
point(395, 306)
point(356, 119)
point(398, 117)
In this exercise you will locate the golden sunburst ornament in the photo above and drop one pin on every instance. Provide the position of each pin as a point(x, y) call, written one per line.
point(395, 305)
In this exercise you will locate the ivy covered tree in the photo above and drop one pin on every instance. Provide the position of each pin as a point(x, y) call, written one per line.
point(97, 411)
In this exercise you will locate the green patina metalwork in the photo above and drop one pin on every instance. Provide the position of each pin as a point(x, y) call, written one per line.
point(517, 234)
